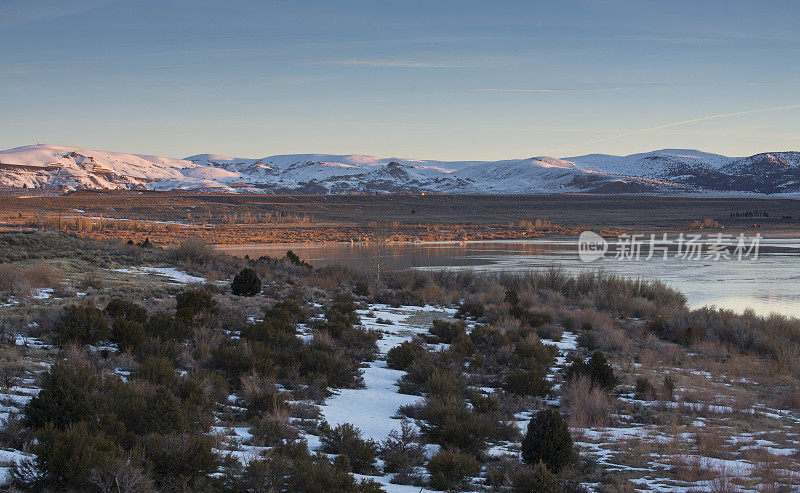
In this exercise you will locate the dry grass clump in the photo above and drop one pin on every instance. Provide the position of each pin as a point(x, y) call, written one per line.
point(776, 336)
point(587, 405)
point(789, 399)
point(19, 280)
point(710, 441)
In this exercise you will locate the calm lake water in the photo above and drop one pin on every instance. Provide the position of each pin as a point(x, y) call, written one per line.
point(769, 283)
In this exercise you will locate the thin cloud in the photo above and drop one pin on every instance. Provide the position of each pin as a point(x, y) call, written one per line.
point(675, 124)
point(389, 63)
point(557, 89)
point(467, 62)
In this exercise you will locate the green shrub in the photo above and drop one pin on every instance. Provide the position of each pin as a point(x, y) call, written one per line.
point(536, 478)
point(452, 470)
point(167, 327)
point(164, 413)
point(449, 422)
point(444, 382)
point(462, 345)
point(156, 370)
point(128, 310)
point(180, 459)
point(193, 302)
point(597, 369)
point(345, 439)
point(340, 316)
point(157, 347)
point(295, 469)
point(511, 297)
point(359, 344)
point(548, 440)
point(66, 396)
point(530, 318)
point(322, 359)
point(233, 359)
point(402, 355)
point(294, 259)
point(487, 338)
point(262, 397)
point(81, 324)
point(65, 458)
point(471, 309)
point(276, 337)
point(533, 355)
point(246, 283)
point(416, 376)
point(126, 334)
point(446, 331)
point(361, 289)
point(272, 430)
point(401, 451)
point(527, 382)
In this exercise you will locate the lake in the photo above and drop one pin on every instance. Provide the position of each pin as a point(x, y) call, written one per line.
point(768, 283)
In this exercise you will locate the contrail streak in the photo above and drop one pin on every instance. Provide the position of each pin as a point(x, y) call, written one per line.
point(675, 124)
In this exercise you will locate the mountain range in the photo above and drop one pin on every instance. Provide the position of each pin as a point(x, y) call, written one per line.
point(666, 171)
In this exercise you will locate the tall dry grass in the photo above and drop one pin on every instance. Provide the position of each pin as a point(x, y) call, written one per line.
point(19, 280)
point(587, 405)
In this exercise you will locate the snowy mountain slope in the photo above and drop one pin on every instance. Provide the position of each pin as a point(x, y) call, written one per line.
point(681, 171)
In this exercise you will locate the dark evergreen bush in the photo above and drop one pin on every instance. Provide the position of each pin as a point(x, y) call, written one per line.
point(402, 355)
point(511, 297)
point(446, 331)
point(597, 369)
point(65, 458)
point(81, 324)
point(548, 440)
point(181, 460)
point(126, 334)
point(246, 283)
point(452, 471)
point(471, 309)
point(155, 346)
point(340, 316)
point(533, 355)
point(361, 289)
point(66, 396)
point(529, 318)
point(156, 370)
point(167, 327)
point(527, 382)
point(322, 359)
point(487, 338)
point(193, 302)
point(294, 259)
point(449, 422)
point(128, 310)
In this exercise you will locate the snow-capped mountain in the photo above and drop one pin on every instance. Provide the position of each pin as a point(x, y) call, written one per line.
point(680, 171)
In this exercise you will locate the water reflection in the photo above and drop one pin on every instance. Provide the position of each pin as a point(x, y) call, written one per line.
point(769, 284)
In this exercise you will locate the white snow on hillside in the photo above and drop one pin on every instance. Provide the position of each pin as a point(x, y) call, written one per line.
point(675, 171)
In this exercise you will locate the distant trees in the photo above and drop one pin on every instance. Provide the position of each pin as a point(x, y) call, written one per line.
point(246, 283)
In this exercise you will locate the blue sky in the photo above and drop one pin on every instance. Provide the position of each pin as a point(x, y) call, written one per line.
point(428, 79)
